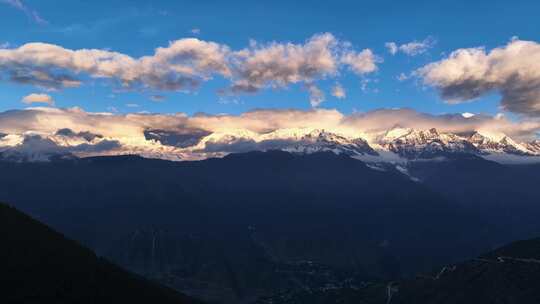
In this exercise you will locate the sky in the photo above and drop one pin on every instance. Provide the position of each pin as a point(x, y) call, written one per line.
point(378, 50)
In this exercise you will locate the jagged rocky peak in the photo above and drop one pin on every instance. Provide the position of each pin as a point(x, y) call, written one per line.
point(478, 138)
point(304, 134)
point(413, 143)
point(413, 136)
point(505, 144)
point(318, 140)
point(321, 135)
point(534, 146)
point(294, 140)
point(485, 141)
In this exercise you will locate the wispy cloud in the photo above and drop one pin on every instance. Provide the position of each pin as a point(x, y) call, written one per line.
point(402, 77)
point(38, 98)
point(316, 95)
point(227, 100)
point(30, 13)
point(338, 91)
point(413, 48)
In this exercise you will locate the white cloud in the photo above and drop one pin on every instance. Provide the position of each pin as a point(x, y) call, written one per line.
point(417, 47)
point(392, 47)
point(279, 64)
point(132, 105)
point(186, 63)
point(38, 98)
point(512, 70)
point(402, 77)
point(338, 91)
point(365, 85)
point(412, 48)
point(361, 63)
point(316, 96)
point(195, 31)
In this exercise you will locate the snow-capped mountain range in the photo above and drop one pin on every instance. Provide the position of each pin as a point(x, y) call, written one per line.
point(394, 145)
point(425, 144)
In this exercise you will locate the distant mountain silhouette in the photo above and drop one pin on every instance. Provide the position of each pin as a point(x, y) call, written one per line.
point(39, 265)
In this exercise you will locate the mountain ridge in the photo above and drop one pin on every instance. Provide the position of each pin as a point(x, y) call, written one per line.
point(397, 144)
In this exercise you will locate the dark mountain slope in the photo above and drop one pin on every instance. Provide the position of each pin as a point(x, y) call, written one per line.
point(505, 198)
point(39, 265)
point(508, 275)
point(229, 225)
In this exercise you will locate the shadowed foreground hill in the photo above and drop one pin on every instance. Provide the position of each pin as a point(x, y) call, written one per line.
point(39, 265)
point(508, 275)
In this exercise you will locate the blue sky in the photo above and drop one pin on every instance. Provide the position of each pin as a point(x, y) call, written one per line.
point(136, 28)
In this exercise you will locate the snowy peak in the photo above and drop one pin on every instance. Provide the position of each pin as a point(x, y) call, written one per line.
point(426, 144)
point(504, 145)
point(413, 144)
point(533, 146)
point(295, 140)
point(415, 136)
point(391, 146)
point(321, 140)
point(406, 143)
